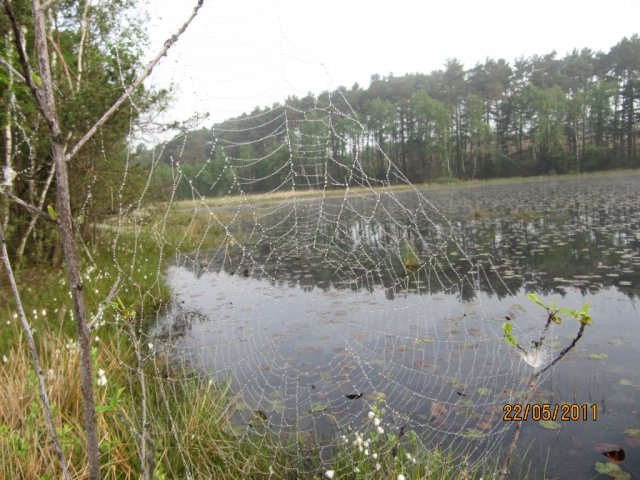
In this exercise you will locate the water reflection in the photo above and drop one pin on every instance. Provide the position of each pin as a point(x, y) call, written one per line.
point(296, 310)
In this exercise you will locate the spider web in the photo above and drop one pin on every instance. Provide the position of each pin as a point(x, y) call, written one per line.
point(335, 299)
point(331, 293)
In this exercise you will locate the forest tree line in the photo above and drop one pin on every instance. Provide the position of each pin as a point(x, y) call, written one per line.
point(535, 116)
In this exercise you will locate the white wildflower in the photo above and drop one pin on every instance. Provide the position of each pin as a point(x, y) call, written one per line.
point(380, 430)
point(329, 473)
point(378, 467)
point(44, 312)
point(356, 470)
point(376, 421)
point(344, 438)
point(371, 415)
point(374, 456)
point(102, 378)
point(401, 477)
point(4, 359)
point(366, 452)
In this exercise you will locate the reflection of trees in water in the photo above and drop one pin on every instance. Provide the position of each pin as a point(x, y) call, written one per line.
point(357, 244)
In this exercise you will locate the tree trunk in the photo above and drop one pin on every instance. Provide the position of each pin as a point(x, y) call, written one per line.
point(47, 105)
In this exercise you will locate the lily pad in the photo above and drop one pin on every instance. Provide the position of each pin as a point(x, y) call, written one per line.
point(612, 470)
point(473, 433)
point(632, 432)
point(598, 356)
point(549, 424)
point(318, 407)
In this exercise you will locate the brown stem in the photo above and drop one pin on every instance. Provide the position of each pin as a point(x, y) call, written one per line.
point(46, 104)
point(27, 206)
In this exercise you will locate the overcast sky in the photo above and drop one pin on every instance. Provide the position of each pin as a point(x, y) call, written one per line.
point(242, 53)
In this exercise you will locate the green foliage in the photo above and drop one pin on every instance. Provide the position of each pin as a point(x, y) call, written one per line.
point(508, 336)
point(581, 315)
point(538, 115)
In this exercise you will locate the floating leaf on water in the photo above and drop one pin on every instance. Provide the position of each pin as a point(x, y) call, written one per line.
point(473, 433)
point(612, 470)
point(353, 396)
point(549, 424)
point(632, 432)
point(483, 391)
point(598, 356)
point(318, 407)
point(615, 455)
point(259, 414)
point(438, 412)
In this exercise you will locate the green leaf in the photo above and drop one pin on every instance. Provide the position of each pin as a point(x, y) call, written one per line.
point(318, 407)
point(632, 432)
point(52, 213)
point(473, 433)
point(533, 297)
point(598, 356)
point(549, 424)
point(508, 337)
point(35, 78)
point(612, 470)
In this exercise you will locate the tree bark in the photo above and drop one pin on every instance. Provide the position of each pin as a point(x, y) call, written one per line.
point(65, 226)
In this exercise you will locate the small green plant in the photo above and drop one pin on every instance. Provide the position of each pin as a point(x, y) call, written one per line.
point(536, 355)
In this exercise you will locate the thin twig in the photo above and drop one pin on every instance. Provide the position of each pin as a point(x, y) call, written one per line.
point(83, 36)
point(564, 351)
point(28, 206)
point(42, 391)
point(145, 73)
point(12, 70)
point(105, 303)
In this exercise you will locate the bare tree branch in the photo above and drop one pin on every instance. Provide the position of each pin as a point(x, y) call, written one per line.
point(105, 303)
point(138, 81)
point(42, 391)
point(12, 70)
point(23, 204)
point(48, 4)
point(46, 104)
point(65, 67)
point(24, 61)
point(83, 36)
point(32, 223)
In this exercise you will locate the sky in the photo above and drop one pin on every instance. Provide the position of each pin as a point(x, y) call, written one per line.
point(239, 54)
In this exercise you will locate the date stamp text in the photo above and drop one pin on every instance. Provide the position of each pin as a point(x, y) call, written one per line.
point(563, 412)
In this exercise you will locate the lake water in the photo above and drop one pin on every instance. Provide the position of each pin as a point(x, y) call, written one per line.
point(312, 301)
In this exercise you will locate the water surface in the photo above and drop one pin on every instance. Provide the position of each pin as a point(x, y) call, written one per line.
point(310, 301)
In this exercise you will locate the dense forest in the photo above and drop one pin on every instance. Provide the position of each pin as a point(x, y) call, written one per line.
point(538, 115)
